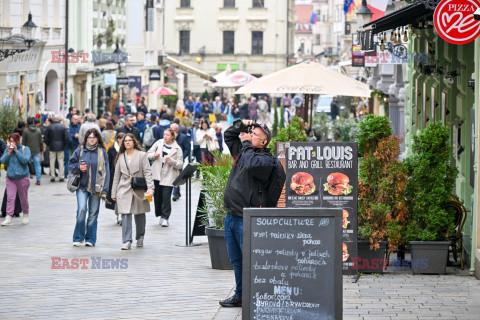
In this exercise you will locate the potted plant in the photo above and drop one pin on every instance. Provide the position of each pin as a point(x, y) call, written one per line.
point(432, 178)
point(293, 132)
point(382, 208)
point(214, 181)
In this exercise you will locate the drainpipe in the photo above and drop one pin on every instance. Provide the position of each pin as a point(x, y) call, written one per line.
point(65, 100)
point(476, 208)
point(288, 31)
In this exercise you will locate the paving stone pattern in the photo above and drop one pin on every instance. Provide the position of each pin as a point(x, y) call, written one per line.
point(164, 281)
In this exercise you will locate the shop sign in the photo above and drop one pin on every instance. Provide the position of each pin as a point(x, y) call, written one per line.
point(122, 81)
point(155, 75)
point(223, 66)
point(454, 21)
point(27, 60)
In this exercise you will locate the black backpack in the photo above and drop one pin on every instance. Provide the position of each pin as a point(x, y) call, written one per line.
point(276, 181)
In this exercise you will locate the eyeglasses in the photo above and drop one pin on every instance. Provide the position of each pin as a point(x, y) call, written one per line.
point(128, 141)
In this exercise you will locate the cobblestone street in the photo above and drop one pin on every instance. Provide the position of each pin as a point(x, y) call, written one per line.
point(164, 281)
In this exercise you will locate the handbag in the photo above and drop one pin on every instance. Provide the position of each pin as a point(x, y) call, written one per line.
point(138, 183)
point(73, 179)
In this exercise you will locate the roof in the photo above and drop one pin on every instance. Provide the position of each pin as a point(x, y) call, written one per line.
point(303, 13)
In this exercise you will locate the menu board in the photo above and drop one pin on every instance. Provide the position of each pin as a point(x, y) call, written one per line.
point(292, 264)
point(324, 175)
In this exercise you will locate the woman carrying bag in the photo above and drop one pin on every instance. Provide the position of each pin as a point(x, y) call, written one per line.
point(90, 160)
point(112, 155)
point(207, 138)
point(167, 160)
point(132, 186)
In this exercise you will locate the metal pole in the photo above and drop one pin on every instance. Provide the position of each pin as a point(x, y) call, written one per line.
point(65, 89)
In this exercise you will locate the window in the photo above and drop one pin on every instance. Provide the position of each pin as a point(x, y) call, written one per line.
point(228, 42)
point(184, 3)
point(317, 39)
point(257, 42)
point(229, 3)
point(258, 4)
point(184, 41)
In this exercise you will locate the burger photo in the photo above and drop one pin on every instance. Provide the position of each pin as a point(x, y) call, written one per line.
point(302, 183)
point(337, 184)
point(345, 253)
point(345, 220)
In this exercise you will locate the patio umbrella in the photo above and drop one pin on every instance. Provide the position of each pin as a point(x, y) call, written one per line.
point(308, 78)
point(234, 80)
point(163, 91)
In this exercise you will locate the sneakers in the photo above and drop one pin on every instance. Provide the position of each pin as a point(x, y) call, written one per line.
point(77, 243)
point(25, 219)
point(140, 242)
point(175, 197)
point(61, 179)
point(232, 302)
point(52, 180)
point(38, 183)
point(89, 244)
point(127, 245)
point(8, 221)
point(161, 221)
point(165, 223)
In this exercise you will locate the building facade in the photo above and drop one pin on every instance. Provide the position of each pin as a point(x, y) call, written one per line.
point(34, 80)
point(252, 35)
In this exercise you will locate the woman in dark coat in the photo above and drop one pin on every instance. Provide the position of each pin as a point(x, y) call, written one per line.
point(112, 155)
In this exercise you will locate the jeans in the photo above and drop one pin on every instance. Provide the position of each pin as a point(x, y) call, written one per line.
point(38, 167)
point(234, 240)
point(67, 161)
point(176, 190)
point(90, 235)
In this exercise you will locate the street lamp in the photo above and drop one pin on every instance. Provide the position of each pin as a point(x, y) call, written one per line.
point(27, 37)
point(364, 14)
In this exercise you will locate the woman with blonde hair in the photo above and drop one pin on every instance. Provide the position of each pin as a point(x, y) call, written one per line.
point(167, 160)
point(132, 166)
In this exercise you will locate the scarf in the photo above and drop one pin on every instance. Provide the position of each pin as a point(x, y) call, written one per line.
point(100, 176)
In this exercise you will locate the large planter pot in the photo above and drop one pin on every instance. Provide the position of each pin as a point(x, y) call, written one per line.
point(371, 261)
point(429, 257)
point(218, 249)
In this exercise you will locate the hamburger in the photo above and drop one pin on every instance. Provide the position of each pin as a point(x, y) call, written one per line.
point(345, 221)
point(337, 184)
point(345, 253)
point(302, 183)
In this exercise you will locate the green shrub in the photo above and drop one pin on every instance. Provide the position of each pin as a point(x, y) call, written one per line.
point(431, 183)
point(371, 130)
point(214, 182)
point(344, 129)
point(9, 118)
point(290, 133)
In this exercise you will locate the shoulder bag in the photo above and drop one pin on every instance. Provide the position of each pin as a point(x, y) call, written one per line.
point(137, 182)
point(73, 179)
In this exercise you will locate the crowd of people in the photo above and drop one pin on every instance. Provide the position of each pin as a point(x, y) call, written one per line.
point(109, 150)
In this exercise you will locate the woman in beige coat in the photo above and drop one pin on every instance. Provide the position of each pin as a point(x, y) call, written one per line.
point(131, 161)
point(207, 138)
point(167, 160)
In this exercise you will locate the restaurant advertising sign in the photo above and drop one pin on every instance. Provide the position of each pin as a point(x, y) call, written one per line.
point(454, 21)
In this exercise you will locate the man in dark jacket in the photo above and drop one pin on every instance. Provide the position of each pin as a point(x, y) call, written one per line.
point(246, 188)
point(129, 127)
point(141, 123)
point(334, 111)
point(184, 143)
point(32, 138)
point(57, 139)
point(74, 133)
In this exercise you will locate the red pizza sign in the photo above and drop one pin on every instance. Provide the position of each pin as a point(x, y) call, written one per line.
point(454, 21)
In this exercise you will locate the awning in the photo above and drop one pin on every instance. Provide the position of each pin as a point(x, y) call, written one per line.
point(191, 69)
point(411, 14)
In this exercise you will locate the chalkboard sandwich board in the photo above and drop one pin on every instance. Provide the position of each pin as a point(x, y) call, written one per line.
point(292, 264)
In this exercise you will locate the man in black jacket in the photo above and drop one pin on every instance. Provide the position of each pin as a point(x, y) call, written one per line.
point(57, 139)
point(246, 188)
point(130, 128)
